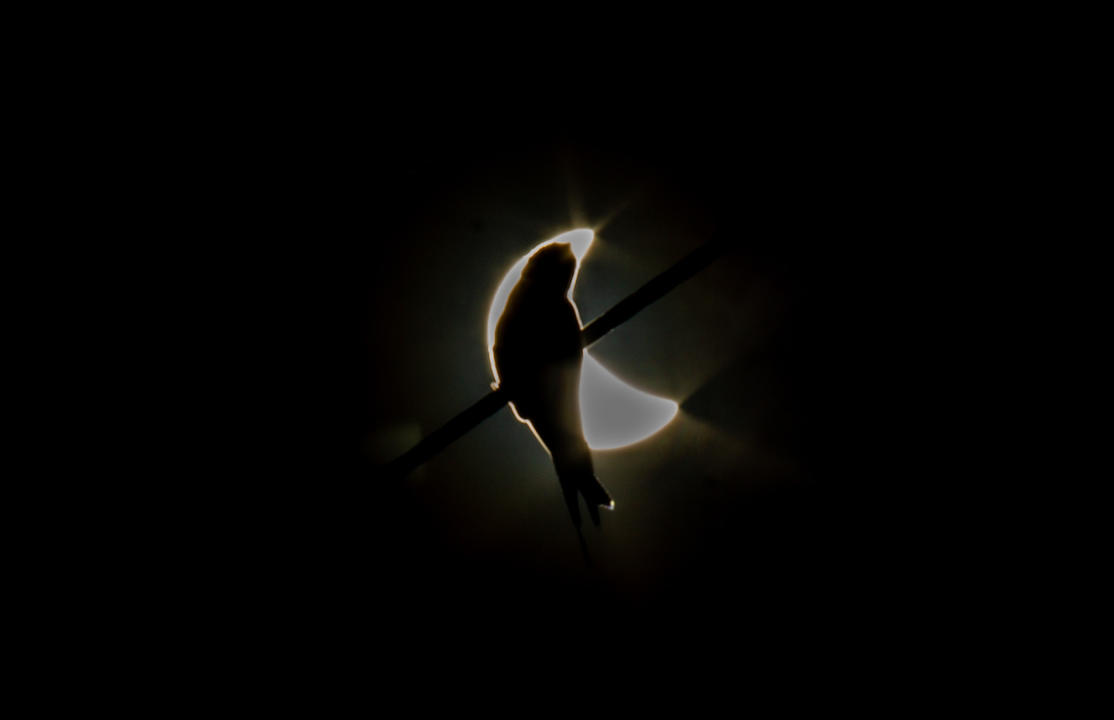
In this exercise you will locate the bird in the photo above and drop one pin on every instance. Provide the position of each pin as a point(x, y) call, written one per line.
point(537, 356)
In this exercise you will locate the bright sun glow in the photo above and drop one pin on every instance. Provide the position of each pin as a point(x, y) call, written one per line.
point(613, 413)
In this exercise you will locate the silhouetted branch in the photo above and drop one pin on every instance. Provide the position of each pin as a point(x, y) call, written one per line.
point(442, 437)
point(629, 306)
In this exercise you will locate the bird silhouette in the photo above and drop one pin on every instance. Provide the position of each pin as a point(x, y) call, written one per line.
point(538, 353)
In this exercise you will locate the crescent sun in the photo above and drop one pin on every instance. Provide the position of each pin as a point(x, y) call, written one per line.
point(614, 413)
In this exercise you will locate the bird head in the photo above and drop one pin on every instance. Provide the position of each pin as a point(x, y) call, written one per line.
point(551, 268)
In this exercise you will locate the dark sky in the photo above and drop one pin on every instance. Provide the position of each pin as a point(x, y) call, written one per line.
point(755, 508)
point(360, 207)
point(738, 503)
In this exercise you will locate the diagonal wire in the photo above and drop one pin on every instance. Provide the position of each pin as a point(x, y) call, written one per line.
point(622, 311)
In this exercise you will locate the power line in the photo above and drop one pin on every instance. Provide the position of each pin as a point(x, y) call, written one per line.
point(624, 310)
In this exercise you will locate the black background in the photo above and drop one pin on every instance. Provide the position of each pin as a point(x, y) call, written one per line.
point(374, 227)
point(812, 201)
point(326, 218)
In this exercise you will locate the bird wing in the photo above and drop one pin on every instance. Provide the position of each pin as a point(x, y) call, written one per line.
point(535, 344)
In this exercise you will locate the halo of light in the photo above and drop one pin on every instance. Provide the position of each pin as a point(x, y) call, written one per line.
point(613, 413)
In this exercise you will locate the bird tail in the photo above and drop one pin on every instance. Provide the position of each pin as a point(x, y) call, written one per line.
point(595, 495)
